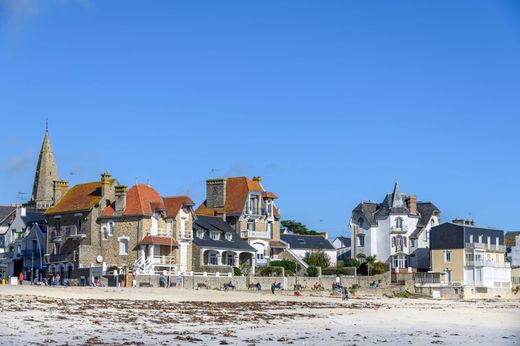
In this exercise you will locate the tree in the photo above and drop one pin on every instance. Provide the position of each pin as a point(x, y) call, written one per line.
point(298, 227)
point(510, 239)
point(318, 259)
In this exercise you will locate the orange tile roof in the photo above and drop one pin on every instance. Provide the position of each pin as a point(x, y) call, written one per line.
point(80, 197)
point(140, 200)
point(174, 204)
point(156, 240)
point(269, 195)
point(277, 243)
point(237, 189)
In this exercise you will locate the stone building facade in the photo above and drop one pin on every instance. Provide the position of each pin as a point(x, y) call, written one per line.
point(249, 209)
point(73, 234)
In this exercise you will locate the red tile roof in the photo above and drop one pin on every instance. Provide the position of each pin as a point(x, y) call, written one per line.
point(80, 197)
point(277, 243)
point(156, 240)
point(269, 195)
point(174, 204)
point(237, 189)
point(140, 200)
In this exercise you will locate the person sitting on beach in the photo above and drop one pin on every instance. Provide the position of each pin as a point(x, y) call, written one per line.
point(258, 286)
point(317, 286)
point(297, 293)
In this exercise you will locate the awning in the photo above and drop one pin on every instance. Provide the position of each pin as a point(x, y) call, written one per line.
point(156, 240)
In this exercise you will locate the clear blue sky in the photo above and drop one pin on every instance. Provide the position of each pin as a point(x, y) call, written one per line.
point(329, 101)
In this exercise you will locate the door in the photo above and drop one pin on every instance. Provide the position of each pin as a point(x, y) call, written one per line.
point(448, 276)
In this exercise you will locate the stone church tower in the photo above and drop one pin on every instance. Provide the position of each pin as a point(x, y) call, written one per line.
point(46, 175)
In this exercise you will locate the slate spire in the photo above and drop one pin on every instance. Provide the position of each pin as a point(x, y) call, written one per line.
point(46, 174)
point(397, 197)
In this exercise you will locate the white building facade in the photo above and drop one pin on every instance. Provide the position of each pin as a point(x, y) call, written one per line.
point(396, 231)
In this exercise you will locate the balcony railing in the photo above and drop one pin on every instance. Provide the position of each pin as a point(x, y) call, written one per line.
point(485, 263)
point(402, 229)
point(69, 257)
point(255, 234)
point(485, 246)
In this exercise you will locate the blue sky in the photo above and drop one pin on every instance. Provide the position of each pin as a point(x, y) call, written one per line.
point(328, 101)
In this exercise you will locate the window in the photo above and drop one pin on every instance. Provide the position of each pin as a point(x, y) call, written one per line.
point(471, 238)
point(213, 259)
point(412, 242)
point(251, 225)
point(497, 242)
point(427, 235)
point(270, 228)
point(361, 222)
point(2, 241)
point(361, 240)
point(110, 228)
point(35, 245)
point(169, 226)
point(58, 225)
point(400, 261)
point(214, 235)
point(123, 246)
point(200, 234)
point(104, 232)
point(229, 237)
point(67, 231)
point(398, 223)
point(447, 256)
point(399, 243)
point(432, 222)
point(78, 226)
point(480, 239)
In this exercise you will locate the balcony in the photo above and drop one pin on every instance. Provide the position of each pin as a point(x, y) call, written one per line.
point(485, 246)
point(255, 234)
point(485, 263)
point(67, 257)
point(399, 230)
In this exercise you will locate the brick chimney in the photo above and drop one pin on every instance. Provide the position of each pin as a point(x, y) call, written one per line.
point(105, 183)
point(412, 204)
point(215, 193)
point(120, 199)
point(60, 187)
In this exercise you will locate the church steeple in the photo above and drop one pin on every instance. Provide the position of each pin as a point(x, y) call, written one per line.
point(46, 174)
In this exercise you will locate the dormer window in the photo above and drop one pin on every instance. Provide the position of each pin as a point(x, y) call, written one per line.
point(215, 235)
point(200, 234)
point(229, 237)
point(361, 222)
point(398, 223)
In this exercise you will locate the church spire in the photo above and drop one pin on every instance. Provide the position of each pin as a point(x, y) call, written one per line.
point(46, 174)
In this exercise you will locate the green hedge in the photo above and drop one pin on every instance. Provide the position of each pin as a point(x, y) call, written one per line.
point(312, 271)
point(271, 271)
point(337, 271)
point(289, 266)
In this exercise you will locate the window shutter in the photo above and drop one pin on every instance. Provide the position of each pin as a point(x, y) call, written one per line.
point(404, 240)
point(393, 241)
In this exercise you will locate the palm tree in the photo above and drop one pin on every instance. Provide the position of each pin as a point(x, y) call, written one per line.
point(370, 260)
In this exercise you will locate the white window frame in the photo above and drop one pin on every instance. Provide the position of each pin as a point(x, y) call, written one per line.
point(121, 241)
point(448, 256)
point(229, 237)
point(214, 235)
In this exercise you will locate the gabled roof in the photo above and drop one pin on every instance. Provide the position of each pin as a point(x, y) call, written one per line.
point(6, 214)
point(174, 204)
point(140, 200)
point(80, 197)
point(346, 242)
point(237, 190)
point(307, 242)
point(207, 224)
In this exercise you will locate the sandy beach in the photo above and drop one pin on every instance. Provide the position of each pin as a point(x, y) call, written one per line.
point(154, 316)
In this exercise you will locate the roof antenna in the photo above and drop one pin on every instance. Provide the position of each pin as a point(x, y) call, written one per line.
point(46, 124)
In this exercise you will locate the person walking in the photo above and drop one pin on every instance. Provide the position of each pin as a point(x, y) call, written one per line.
point(273, 287)
point(345, 293)
point(21, 278)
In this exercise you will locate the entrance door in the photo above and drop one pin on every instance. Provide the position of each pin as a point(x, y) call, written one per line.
point(448, 276)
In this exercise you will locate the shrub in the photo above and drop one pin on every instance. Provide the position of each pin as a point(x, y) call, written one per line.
point(271, 271)
point(379, 268)
point(352, 262)
point(337, 271)
point(318, 259)
point(340, 264)
point(237, 271)
point(312, 271)
point(289, 266)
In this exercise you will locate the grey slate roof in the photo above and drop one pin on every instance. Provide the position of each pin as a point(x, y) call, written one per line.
point(210, 223)
point(393, 204)
point(346, 242)
point(313, 242)
point(5, 212)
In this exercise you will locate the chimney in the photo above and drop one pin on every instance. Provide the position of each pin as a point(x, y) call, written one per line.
point(412, 204)
point(105, 183)
point(325, 235)
point(257, 179)
point(120, 199)
point(21, 211)
point(215, 193)
point(60, 187)
point(458, 221)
